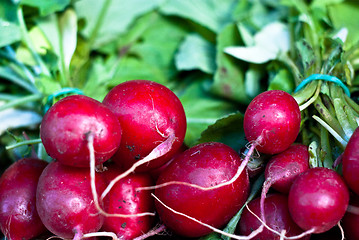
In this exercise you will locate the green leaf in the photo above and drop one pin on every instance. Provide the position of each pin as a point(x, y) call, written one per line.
point(229, 75)
point(206, 110)
point(196, 53)
point(47, 7)
point(306, 55)
point(212, 14)
point(211, 236)
point(345, 15)
point(147, 50)
point(281, 80)
point(10, 33)
point(106, 20)
point(227, 130)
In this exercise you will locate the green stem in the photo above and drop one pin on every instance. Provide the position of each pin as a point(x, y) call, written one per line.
point(29, 43)
point(23, 143)
point(21, 101)
point(325, 149)
point(99, 22)
point(328, 118)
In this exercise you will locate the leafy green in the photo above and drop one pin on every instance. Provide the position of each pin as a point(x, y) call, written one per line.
point(227, 130)
point(10, 33)
point(229, 77)
point(213, 14)
point(47, 7)
point(196, 53)
point(205, 112)
point(106, 20)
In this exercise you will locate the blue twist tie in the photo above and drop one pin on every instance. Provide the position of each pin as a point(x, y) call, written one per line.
point(61, 92)
point(324, 77)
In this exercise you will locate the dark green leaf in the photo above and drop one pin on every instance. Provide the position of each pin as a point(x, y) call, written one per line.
point(47, 7)
point(202, 110)
point(227, 130)
point(306, 55)
point(212, 236)
point(229, 76)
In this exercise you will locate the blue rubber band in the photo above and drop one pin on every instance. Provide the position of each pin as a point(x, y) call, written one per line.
point(61, 92)
point(328, 78)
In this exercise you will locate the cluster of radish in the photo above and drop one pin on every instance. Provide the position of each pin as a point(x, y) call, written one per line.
point(119, 163)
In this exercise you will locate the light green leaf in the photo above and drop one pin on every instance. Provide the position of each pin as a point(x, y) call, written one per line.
point(68, 30)
point(106, 20)
point(206, 110)
point(345, 15)
point(9, 33)
point(196, 53)
point(47, 7)
point(212, 14)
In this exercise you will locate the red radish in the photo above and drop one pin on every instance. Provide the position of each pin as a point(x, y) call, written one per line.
point(350, 220)
point(277, 218)
point(149, 113)
point(155, 173)
point(318, 199)
point(65, 202)
point(67, 123)
point(18, 216)
point(350, 162)
point(206, 165)
point(282, 169)
point(125, 199)
point(272, 121)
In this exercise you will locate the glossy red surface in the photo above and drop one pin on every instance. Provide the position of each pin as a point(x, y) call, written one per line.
point(124, 199)
point(18, 216)
point(318, 199)
point(148, 113)
point(206, 164)
point(275, 116)
point(65, 202)
point(68, 122)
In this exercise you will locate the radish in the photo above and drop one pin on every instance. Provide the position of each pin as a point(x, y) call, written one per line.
point(206, 165)
point(66, 125)
point(351, 219)
point(149, 114)
point(318, 199)
point(272, 121)
point(282, 169)
point(350, 162)
point(125, 199)
point(65, 202)
point(277, 218)
point(18, 215)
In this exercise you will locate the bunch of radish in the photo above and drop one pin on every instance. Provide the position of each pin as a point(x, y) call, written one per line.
point(119, 166)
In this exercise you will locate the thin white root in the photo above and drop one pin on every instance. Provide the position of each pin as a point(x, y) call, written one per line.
point(253, 234)
point(341, 230)
point(306, 233)
point(157, 152)
point(90, 139)
point(226, 183)
point(101, 234)
point(152, 232)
